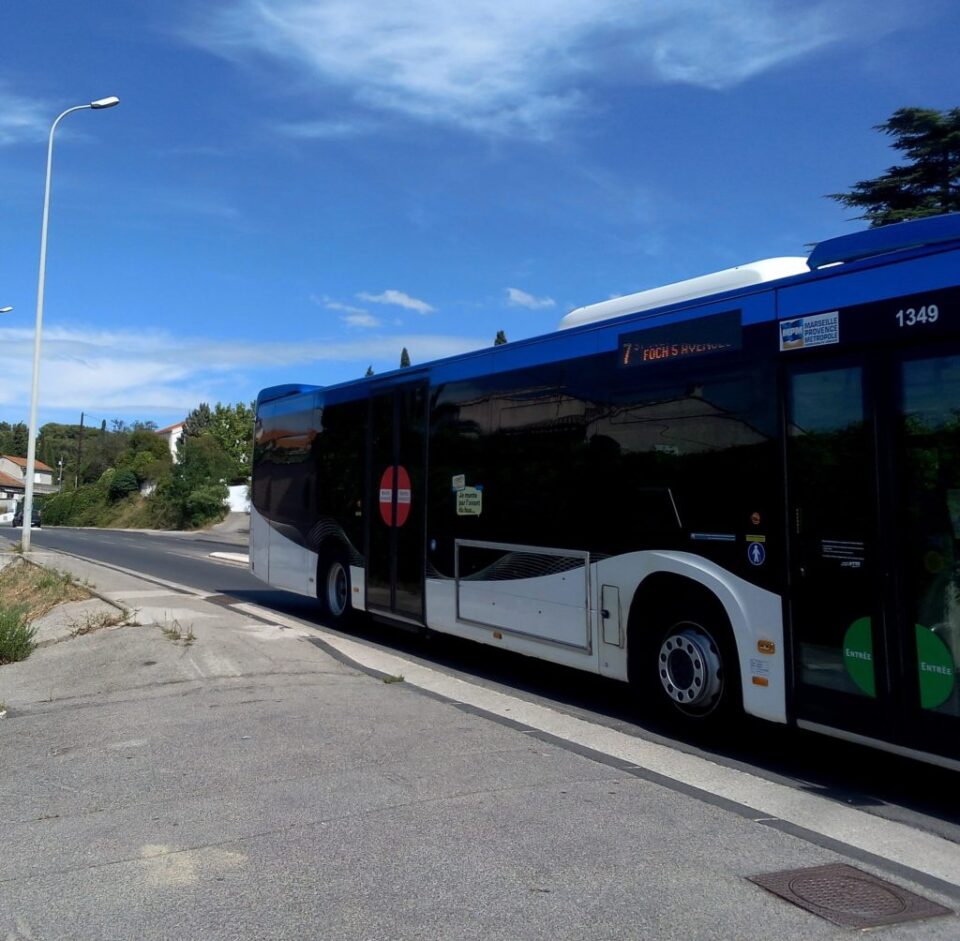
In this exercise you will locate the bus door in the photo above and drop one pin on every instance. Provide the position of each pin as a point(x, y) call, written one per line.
point(926, 446)
point(873, 462)
point(837, 572)
point(396, 495)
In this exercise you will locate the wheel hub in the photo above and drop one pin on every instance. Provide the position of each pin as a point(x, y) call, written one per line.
point(337, 589)
point(690, 668)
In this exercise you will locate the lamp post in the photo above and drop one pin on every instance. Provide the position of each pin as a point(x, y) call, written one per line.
point(32, 442)
point(5, 310)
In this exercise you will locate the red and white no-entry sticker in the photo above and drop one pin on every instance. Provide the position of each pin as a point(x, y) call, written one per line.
point(402, 487)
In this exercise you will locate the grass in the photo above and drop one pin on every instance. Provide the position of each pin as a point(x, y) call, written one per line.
point(28, 593)
point(16, 634)
point(398, 678)
point(37, 590)
point(173, 632)
point(97, 621)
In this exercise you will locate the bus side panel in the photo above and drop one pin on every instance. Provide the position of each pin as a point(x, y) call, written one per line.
point(441, 605)
point(755, 614)
point(292, 566)
point(259, 545)
point(280, 561)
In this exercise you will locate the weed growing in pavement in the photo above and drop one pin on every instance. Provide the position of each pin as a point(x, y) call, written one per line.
point(16, 634)
point(398, 678)
point(97, 621)
point(175, 633)
point(52, 580)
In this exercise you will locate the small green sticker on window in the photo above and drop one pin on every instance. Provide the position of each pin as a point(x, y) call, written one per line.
point(858, 655)
point(936, 668)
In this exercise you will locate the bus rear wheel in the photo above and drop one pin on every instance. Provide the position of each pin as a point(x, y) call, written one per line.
point(333, 584)
point(692, 675)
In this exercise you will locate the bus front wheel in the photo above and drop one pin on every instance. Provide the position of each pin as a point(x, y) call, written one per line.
point(334, 588)
point(692, 674)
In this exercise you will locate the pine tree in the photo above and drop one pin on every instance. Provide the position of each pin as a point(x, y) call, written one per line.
point(369, 371)
point(926, 186)
point(500, 338)
point(404, 358)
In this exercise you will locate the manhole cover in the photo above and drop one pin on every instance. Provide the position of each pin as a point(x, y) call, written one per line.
point(848, 896)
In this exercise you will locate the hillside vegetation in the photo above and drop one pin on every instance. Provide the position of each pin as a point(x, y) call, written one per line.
point(129, 480)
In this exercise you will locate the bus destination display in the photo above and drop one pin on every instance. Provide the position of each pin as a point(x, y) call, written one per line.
point(717, 334)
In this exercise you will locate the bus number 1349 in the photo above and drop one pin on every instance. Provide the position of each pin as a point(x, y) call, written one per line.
point(910, 316)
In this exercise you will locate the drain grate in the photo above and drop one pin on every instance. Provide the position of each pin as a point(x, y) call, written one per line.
point(848, 897)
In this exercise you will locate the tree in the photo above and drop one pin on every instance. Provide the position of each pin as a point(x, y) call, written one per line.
point(927, 186)
point(500, 338)
point(195, 491)
point(232, 427)
point(102, 450)
point(14, 438)
point(146, 455)
point(369, 371)
point(404, 358)
point(198, 421)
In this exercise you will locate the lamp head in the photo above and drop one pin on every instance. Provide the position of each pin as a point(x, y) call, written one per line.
point(5, 310)
point(105, 102)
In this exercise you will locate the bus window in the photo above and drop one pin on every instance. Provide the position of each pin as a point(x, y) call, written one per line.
point(931, 456)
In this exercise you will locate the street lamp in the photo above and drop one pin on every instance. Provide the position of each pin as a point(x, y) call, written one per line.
point(32, 443)
point(5, 310)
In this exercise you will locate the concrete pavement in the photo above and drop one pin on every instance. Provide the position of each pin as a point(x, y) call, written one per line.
point(213, 770)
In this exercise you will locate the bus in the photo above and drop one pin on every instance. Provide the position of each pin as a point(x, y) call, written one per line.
point(739, 493)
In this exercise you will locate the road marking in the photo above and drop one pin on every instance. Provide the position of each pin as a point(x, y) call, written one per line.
point(231, 558)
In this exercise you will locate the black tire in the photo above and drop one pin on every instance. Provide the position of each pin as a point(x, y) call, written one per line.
point(690, 674)
point(333, 588)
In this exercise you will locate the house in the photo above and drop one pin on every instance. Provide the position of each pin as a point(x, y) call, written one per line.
point(11, 493)
point(13, 480)
point(16, 467)
point(172, 434)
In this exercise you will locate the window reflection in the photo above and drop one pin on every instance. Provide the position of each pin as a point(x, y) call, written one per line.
point(832, 522)
point(931, 449)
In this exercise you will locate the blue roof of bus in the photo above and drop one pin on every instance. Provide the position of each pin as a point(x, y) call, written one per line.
point(887, 238)
point(272, 393)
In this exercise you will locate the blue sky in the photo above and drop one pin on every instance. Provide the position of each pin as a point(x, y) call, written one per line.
point(292, 190)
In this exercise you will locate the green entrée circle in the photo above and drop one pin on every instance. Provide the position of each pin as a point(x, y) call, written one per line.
point(858, 655)
point(936, 668)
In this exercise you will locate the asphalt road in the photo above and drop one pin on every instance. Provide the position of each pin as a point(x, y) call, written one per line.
point(887, 786)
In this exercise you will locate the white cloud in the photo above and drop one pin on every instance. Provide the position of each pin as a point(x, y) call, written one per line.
point(351, 316)
point(498, 67)
point(399, 299)
point(325, 130)
point(22, 119)
point(361, 320)
point(111, 372)
point(518, 298)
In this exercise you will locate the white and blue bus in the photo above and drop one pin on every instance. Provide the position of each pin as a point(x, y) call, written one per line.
point(737, 493)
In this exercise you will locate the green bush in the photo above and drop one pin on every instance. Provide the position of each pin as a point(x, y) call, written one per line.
point(16, 636)
point(123, 482)
point(82, 507)
point(205, 504)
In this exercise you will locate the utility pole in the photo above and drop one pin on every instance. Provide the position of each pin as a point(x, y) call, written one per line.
point(76, 479)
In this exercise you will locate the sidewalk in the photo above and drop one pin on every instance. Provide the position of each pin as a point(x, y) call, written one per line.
point(216, 771)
